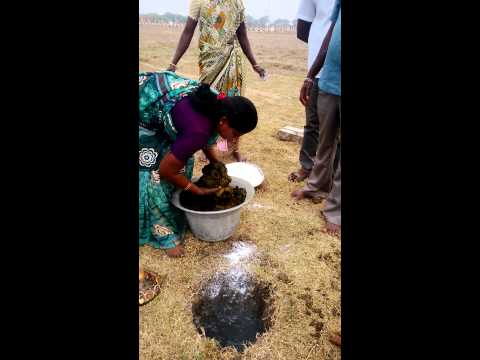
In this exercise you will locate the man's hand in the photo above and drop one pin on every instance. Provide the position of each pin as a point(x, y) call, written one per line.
point(305, 91)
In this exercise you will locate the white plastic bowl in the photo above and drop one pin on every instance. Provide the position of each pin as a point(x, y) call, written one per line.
point(246, 171)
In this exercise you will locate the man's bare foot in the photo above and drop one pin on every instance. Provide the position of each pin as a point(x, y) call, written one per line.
point(298, 175)
point(239, 157)
point(331, 228)
point(298, 194)
point(336, 338)
point(301, 194)
point(175, 252)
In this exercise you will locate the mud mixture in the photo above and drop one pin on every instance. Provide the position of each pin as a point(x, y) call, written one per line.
point(214, 175)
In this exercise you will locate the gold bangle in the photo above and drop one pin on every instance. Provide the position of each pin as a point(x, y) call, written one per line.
point(189, 185)
point(174, 65)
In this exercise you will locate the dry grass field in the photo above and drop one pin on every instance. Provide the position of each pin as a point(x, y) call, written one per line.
point(300, 263)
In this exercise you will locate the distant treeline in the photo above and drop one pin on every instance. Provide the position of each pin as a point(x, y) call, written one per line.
point(250, 20)
point(167, 17)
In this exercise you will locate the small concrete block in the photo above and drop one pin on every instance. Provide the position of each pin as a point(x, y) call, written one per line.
point(290, 133)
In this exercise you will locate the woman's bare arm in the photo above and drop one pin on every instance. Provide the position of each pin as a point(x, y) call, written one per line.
point(169, 170)
point(247, 49)
point(184, 42)
point(210, 154)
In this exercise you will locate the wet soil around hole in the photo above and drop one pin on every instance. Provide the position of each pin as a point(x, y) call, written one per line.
point(232, 308)
point(214, 175)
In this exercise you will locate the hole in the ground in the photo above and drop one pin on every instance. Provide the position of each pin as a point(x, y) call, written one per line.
point(233, 308)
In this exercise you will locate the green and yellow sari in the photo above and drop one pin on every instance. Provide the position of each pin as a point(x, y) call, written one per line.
point(220, 58)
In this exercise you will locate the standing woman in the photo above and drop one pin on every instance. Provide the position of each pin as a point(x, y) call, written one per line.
point(223, 37)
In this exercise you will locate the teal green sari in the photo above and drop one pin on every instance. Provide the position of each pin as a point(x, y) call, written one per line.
point(161, 225)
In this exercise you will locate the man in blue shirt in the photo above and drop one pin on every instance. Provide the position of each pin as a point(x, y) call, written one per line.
point(328, 107)
point(312, 27)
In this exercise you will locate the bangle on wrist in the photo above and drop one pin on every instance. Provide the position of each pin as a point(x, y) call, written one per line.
point(308, 79)
point(174, 65)
point(189, 185)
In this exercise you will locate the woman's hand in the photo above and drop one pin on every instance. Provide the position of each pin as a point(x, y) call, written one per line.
point(259, 70)
point(206, 191)
point(211, 154)
point(305, 91)
point(171, 68)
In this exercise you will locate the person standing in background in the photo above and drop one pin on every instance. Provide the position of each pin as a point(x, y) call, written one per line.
point(223, 38)
point(312, 26)
point(329, 109)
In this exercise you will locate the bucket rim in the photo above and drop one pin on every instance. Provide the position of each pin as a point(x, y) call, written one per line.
point(176, 199)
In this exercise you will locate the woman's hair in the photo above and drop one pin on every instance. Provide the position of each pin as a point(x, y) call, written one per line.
point(240, 112)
